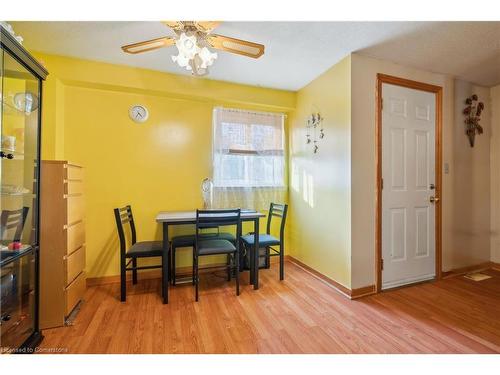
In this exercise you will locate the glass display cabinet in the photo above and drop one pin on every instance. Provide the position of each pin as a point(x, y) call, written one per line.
point(21, 79)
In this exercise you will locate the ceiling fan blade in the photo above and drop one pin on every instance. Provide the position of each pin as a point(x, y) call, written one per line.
point(206, 26)
point(241, 47)
point(148, 45)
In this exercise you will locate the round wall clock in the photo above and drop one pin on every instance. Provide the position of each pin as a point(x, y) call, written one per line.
point(138, 113)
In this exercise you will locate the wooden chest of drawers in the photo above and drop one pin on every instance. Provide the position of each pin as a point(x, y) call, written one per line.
point(62, 241)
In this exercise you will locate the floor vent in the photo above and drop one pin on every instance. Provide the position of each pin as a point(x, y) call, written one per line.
point(477, 276)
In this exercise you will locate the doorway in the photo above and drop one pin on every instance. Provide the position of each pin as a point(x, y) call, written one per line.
point(408, 182)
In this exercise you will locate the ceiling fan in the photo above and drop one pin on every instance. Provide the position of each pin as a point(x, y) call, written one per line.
point(193, 40)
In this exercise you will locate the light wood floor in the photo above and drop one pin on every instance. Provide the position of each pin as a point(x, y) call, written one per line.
point(298, 315)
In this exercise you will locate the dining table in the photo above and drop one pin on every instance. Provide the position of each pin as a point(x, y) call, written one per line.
point(171, 218)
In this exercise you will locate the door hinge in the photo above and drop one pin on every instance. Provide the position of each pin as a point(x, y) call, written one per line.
point(382, 264)
point(381, 183)
point(382, 103)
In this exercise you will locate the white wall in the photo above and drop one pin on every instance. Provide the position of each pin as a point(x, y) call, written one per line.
point(471, 183)
point(466, 187)
point(495, 174)
point(363, 83)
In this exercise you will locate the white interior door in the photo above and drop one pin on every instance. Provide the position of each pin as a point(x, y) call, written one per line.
point(408, 172)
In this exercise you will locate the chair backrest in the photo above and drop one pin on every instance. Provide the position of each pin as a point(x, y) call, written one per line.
point(124, 216)
point(215, 218)
point(280, 211)
point(13, 220)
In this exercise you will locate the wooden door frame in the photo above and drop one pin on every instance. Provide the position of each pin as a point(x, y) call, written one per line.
point(438, 91)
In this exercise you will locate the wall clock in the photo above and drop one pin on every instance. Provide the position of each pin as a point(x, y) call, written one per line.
point(138, 113)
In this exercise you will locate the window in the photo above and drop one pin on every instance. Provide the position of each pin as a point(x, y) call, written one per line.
point(248, 149)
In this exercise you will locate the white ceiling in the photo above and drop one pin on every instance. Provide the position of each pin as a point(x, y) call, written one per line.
point(296, 52)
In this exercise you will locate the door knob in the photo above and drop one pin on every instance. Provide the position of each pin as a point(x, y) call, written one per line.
point(434, 199)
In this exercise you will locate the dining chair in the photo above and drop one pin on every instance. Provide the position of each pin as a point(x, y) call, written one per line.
point(269, 242)
point(143, 249)
point(12, 224)
point(189, 240)
point(213, 246)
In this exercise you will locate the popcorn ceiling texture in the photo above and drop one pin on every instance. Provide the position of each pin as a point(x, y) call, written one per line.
point(296, 52)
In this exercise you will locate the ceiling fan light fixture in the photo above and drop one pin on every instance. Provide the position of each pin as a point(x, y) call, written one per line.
point(181, 60)
point(193, 40)
point(191, 56)
point(187, 45)
point(197, 66)
point(207, 57)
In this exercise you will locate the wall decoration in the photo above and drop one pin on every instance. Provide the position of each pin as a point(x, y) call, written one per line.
point(314, 131)
point(472, 113)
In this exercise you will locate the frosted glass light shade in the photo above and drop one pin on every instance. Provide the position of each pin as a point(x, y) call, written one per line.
point(207, 57)
point(187, 45)
point(190, 53)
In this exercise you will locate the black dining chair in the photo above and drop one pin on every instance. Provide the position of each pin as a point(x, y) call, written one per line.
point(214, 246)
point(143, 249)
point(188, 240)
point(267, 241)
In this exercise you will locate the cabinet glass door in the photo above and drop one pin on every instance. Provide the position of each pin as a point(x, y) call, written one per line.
point(19, 114)
point(20, 110)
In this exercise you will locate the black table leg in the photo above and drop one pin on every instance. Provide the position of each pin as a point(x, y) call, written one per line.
point(165, 263)
point(256, 255)
point(252, 258)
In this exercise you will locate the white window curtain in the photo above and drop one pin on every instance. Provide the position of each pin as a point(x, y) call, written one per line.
point(248, 158)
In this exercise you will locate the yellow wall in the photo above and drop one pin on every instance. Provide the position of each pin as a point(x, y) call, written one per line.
point(158, 165)
point(319, 189)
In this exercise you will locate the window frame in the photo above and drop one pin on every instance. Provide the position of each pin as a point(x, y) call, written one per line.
point(246, 154)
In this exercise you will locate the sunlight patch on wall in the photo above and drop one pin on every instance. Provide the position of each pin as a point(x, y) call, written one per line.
point(304, 186)
point(308, 188)
point(295, 177)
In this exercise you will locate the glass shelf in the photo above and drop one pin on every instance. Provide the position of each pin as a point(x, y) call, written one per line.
point(11, 151)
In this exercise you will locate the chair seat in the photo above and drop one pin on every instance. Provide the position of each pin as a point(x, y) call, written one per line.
point(145, 249)
point(189, 239)
point(264, 240)
point(219, 236)
point(209, 247)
